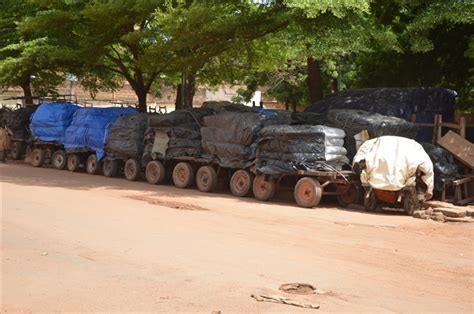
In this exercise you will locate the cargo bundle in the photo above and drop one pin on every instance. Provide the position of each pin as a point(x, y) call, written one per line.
point(288, 148)
point(229, 137)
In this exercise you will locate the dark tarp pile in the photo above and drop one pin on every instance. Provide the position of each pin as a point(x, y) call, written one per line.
point(183, 128)
point(445, 169)
point(51, 120)
point(289, 148)
point(311, 118)
point(125, 136)
point(355, 121)
point(18, 121)
point(88, 130)
point(396, 102)
point(229, 137)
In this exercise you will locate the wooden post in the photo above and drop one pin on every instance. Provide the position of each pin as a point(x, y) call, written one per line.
point(436, 128)
point(462, 130)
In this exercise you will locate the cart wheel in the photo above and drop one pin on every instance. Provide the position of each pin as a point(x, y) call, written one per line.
point(206, 179)
point(308, 192)
point(263, 190)
point(110, 167)
point(37, 157)
point(131, 170)
point(155, 172)
point(73, 162)
point(370, 202)
point(183, 175)
point(409, 201)
point(17, 150)
point(59, 160)
point(349, 194)
point(92, 164)
point(241, 183)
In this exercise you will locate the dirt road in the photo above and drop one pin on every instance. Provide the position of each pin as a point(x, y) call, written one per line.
point(75, 242)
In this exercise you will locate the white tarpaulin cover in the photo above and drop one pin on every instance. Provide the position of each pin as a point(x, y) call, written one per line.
point(391, 164)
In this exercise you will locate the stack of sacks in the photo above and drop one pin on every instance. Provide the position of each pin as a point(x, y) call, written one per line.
point(183, 129)
point(229, 137)
point(125, 137)
point(288, 148)
point(355, 121)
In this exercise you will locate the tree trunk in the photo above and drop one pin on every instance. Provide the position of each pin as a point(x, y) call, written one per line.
point(314, 81)
point(335, 85)
point(27, 92)
point(141, 94)
point(185, 92)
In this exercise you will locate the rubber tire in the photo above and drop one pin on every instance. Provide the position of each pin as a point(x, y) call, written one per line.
point(206, 179)
point(73, 162)
point(92, 165)
point(37, 157)
point(17, 150)
point(263, 190)
point(308, 192)
point(241, 183)
point(371, 202)
point(59, 160)
point(155, 172)
point(183, 175)
point(110, 167)
point(350, 196)
point(131, 170)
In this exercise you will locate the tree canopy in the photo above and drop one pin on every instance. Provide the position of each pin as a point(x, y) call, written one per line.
point(298, 49)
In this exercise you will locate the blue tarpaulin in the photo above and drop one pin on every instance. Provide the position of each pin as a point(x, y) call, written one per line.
point(88, 130)
point(50, 121)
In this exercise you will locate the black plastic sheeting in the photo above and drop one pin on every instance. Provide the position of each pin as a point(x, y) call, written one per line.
point(284, 149)
point(125, 136)
point(444, 166)
point(396, 102)
point(183, 128)
point(18, 121)
point(229, 137)
point(354, 121)
point(178, 117)
point(311, 118)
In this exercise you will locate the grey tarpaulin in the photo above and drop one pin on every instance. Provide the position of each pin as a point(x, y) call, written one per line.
point(354, 121)
point(285, 149)
point(445, 169)
point(229, 137)
point(125, 136)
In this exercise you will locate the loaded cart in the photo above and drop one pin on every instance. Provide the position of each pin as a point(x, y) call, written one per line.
point(201, 147)
point(395, 171)
point(86, 137)
point(18, 122)
point(173, 146)
point(48, 128)
point(309, 159)
point(124, 146)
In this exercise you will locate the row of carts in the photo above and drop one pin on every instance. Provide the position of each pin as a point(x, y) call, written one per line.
point(63, 143)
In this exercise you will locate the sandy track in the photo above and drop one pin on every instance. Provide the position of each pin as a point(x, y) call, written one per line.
point(75, 242)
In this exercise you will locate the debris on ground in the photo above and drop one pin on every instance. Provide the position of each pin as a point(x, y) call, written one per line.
point(445, 212)
point(298, 288)
point(284, 300)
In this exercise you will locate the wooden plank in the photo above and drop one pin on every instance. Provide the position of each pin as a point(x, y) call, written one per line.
point(451, 125)
point(462, 149)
